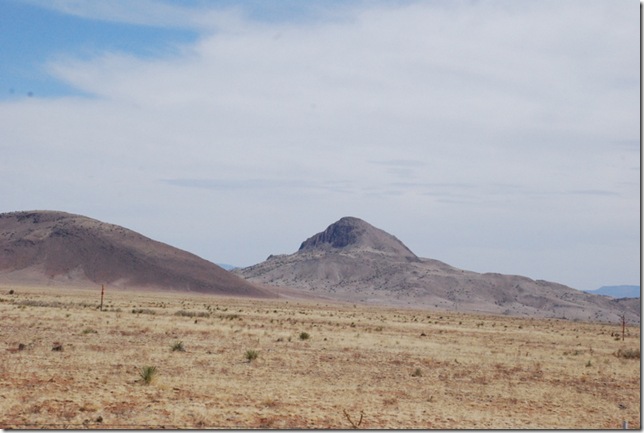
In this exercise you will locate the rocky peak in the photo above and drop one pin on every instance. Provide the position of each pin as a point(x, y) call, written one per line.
point(350, 232)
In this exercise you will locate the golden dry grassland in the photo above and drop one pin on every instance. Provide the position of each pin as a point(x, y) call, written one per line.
point(240, 363)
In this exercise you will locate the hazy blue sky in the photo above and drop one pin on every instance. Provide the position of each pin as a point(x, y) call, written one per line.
point(496, 136)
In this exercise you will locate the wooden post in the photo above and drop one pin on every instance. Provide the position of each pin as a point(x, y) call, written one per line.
point(102, 293)
point(623, 325)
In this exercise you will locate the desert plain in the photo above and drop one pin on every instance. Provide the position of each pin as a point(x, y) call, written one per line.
point(222, 362)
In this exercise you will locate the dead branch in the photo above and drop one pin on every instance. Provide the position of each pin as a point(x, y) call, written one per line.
point(354, 425)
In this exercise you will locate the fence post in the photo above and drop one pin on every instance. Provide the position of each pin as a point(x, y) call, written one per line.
point(623, 325)
point(102, 293)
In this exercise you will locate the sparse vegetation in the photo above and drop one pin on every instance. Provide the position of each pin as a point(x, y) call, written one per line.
point(148, 374)
point(184, 313)
point(304, 336)
point(456, 377)
point(628, 353)
point(37, 303)
point(57, 347)
point(143, 311)
point(251, 355)
point(178, 347)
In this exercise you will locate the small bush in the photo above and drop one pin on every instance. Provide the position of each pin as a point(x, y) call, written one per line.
point(184, 313)
point(178, 347)
point(143, 311)
point(89, 331)
point(251, 355)
point(628, 353)
point(36, 303)
point(304, 336)
point(148, 374)
point(417, 373)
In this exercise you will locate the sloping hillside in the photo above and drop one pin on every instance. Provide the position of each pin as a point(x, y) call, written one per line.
point(354, 261)
point(54, 248)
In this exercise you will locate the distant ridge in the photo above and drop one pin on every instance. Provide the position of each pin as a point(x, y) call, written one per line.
point(623, 291)
point(58, 248)
point(353, 261)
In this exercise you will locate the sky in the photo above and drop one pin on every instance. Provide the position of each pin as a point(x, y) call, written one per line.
point(495, 136)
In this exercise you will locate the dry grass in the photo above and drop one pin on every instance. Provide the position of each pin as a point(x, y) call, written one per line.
point(361, 366)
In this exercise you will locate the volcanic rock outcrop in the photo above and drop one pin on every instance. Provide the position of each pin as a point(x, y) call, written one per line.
point(353, 261)
point(57, 248)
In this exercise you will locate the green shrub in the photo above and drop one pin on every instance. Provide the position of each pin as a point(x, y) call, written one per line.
point(417, 373)
point(304, 336)
point(148, 374)
point(178, 347)
point(250, 355)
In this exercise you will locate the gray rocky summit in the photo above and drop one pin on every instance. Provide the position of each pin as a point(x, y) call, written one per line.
point(354, 233)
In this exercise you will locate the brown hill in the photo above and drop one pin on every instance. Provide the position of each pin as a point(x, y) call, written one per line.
point(354, 261)
point(47, 247)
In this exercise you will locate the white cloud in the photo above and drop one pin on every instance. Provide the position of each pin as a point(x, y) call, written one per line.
point(479, 132)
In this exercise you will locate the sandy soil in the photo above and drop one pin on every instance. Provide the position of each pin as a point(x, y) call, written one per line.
point(369, 367)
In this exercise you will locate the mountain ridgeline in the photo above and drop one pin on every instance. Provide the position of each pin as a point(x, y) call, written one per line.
point(349, 261)
point(353, 261)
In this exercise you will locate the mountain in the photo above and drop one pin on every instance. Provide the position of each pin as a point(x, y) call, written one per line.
point(350, 232)
point(57, 248)
point(617, 291)
point(353, 261)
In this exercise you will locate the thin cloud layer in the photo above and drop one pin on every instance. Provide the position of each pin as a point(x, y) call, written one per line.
point(495, 136)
